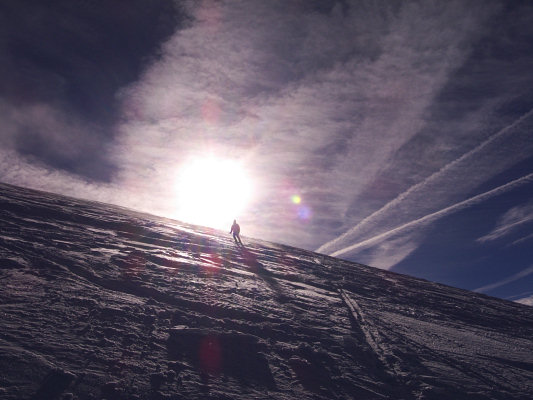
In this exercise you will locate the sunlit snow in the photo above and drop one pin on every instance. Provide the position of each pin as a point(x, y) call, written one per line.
point(98, 302)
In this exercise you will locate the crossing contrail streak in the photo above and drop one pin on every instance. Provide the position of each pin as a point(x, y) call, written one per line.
point(438, 214)
point(328, 247)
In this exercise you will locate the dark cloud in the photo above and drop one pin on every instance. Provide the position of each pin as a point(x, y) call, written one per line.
point(74, 56)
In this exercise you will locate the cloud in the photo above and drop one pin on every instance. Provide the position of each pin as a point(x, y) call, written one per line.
point(457, 178)
point(391, 250)
point(528, 301)
point(44, 134)
point(513, 219)
point(512, 278)
point(16, 169)
point(313, 101)
point(429, 218)
point(522, 240)
point(62, 65)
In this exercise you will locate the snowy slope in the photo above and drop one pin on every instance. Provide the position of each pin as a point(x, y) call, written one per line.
point(101, 302)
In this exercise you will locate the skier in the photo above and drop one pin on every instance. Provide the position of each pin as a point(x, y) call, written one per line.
point(236, 229)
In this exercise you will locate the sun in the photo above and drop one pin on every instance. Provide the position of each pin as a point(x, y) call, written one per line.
point(212, 192)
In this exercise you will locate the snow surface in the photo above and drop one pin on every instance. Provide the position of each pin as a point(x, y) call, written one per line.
point(101, 302)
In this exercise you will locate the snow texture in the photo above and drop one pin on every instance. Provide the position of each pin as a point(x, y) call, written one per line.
point(99, 302)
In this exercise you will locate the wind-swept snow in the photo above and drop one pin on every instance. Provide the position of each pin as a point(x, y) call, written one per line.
point(100, 302)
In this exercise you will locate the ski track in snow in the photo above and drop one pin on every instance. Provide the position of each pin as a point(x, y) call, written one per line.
point(101, 302)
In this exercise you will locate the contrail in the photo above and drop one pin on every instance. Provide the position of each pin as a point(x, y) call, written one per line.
point(433, 177)
point(507, 280)
point(439, 214)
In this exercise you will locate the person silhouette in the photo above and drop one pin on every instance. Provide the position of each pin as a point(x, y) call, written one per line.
point(236, 230)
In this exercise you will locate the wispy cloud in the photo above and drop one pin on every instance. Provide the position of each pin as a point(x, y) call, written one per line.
point(513, 219)
point(512, 278)
point(390, 250)
point(528, 301)
point(522, 239)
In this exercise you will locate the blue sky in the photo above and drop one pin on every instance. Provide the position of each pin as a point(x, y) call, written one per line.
point(405, 128)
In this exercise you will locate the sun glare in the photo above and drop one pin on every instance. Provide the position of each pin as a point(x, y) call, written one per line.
point(212, 192)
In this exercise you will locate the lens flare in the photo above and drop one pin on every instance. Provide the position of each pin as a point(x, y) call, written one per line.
point(304, 213)
point(296, 199)
point(210, 355)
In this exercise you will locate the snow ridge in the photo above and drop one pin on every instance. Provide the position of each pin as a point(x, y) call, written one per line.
point(98, 302)
point(371, 334)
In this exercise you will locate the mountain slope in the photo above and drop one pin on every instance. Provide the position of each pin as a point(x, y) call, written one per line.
point(102, 302)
